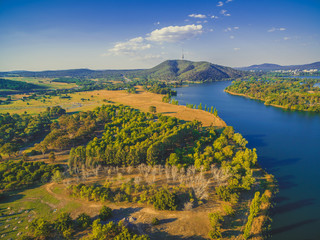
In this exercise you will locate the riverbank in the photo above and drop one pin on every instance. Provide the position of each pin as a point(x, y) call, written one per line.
point(244, 95)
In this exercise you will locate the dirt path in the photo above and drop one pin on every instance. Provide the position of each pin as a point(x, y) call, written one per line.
point(173, 224)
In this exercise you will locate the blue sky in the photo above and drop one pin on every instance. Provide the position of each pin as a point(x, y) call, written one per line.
point(41, 35)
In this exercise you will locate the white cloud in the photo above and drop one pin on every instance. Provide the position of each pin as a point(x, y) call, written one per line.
point(175, 33)
point(228, 1)
point(220, 4)
point(205, 21)
point(229, 29)
point(214, 17)
point(276, 29)
point(286, 38)
point(148, 57)
point(211, 30)
point(224, 13)
point(197, 16)
point(129, 47)
point(231, 37)
point(236, 49)
point(157, 23)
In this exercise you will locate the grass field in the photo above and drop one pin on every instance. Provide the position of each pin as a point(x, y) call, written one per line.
point(83, 101)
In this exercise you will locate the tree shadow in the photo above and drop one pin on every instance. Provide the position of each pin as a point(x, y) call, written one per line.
point(286, 182)
point(274, 165)
point(159, 234)
point(293, 226)
point(121, 213)
point(167, 112)
point(278, 200)
point(256, 140)
point(293, 206)
point(167, 220)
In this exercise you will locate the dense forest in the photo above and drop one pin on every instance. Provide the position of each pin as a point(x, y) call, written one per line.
point(291, 93)
point(19, 174)
point(17, 131)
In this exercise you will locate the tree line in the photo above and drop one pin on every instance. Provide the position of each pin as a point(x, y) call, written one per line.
point(291, 93)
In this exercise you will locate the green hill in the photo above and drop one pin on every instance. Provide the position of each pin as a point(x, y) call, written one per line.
point(170, 70)
point(191, 71)
point(17, 85)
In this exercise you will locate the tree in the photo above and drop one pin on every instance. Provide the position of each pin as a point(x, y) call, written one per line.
point(105, 213)
point(25, 157)
point(9, 149)
point(63, 222)
point(52, 157)
point(57, 176)
point(164, 200)
point(40, 228)
point(153, 109)
point(83, 221)
point(215, 112)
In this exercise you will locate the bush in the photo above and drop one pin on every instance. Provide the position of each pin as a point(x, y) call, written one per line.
point(155, 221)
point(105, 213)
point(40, 228)
point(83, 221)
point(63, 222)
point(164, 200)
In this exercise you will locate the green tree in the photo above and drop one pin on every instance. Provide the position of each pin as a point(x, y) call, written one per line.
point(164, 200)
point(9, 149)
point(83, 221)
point(215, 112)
point(40, 228)
point(52, 157)
point(63, 222)
point(25, 157)
point(105, 213)
point(152, 109)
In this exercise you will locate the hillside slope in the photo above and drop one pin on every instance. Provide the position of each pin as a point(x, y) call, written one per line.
point(170, 70)
point(273, 67)
point(191, 71)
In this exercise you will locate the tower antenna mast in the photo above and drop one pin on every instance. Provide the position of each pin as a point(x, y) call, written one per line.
point(182, 57)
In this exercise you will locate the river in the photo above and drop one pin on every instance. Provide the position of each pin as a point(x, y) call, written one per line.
point(288, 146)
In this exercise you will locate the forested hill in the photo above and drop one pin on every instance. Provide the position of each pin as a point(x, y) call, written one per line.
point(191, 71)
point(169, 70)
point(273, 67)
point(17, 85)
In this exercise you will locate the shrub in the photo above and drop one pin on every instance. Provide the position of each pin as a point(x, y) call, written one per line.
point(83, 221)
point(164, 200)
point(155, 221)
point(105, 213)
point(63, 222)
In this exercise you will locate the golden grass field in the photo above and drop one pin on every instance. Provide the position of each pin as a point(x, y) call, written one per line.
point(142, 100)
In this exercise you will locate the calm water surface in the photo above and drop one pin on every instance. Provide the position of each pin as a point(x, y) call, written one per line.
point(288, 146)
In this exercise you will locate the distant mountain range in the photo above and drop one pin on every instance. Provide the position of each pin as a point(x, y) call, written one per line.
point(274, 67)
point(170, 70)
